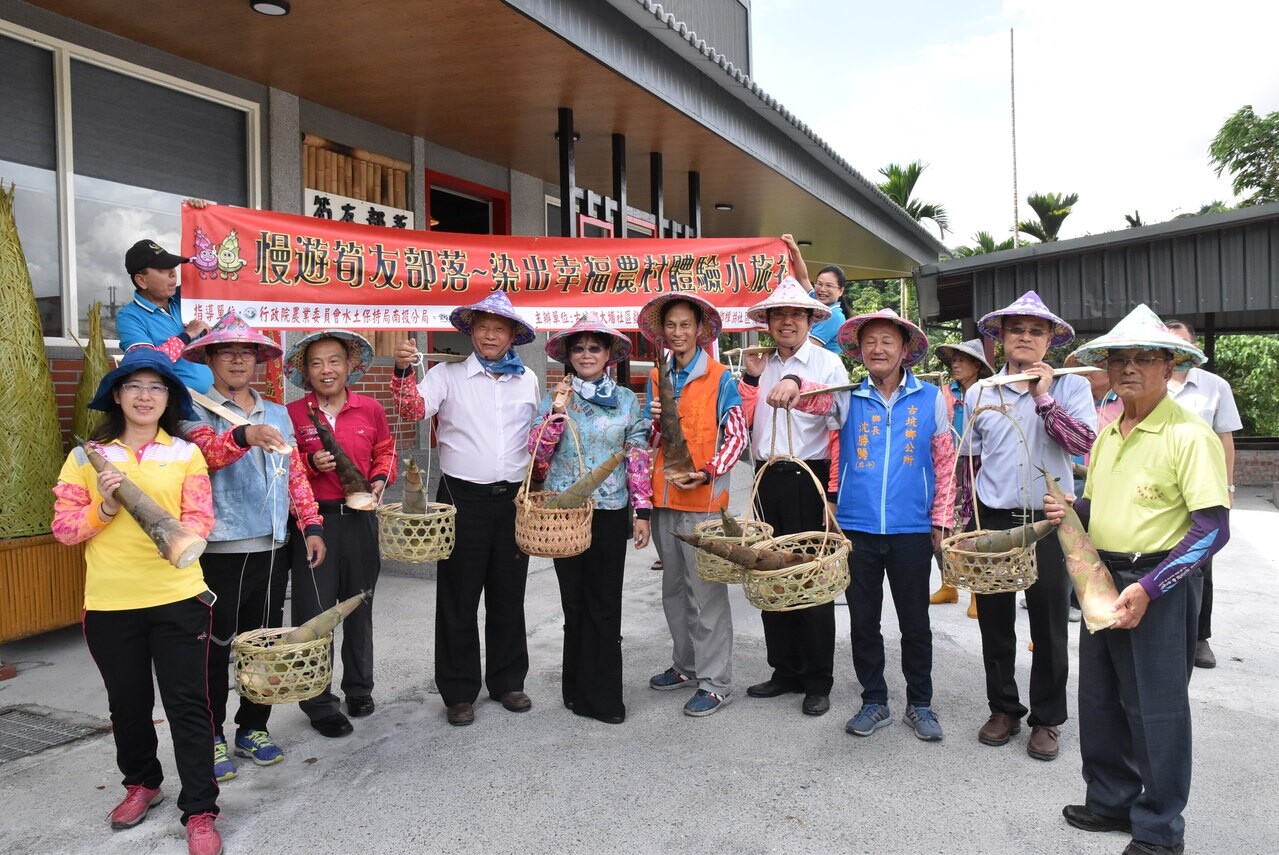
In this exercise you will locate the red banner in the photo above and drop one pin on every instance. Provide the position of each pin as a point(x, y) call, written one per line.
point(283, 271)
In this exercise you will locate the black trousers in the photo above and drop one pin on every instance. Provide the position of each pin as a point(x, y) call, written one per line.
point(591, 594)
point(1048, 602)
point(250, 587)
point(801, 644)
point(351, 565)
point(172, 639)
point(486, 561)
point(1205, 610)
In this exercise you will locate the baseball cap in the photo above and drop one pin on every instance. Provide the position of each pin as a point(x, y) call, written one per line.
point(148, 253)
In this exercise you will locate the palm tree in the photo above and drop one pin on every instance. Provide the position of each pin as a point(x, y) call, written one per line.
point(985, 243)
point(1214, 207)
point(899, 183)
point(1052, 209)
point(1134, 220)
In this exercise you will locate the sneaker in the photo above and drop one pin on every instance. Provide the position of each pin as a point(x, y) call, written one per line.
point(224, 768)
point(669, 679)
point(258, 747)
point(925, 723)
point(870, 718)
point(1074, 615)
point(202, 837)
point(137, 801)
point(704, 703)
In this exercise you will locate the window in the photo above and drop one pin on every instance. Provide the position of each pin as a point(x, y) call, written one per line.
point(103, 154)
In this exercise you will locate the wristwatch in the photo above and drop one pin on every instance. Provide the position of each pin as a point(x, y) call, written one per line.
point(1230, 488)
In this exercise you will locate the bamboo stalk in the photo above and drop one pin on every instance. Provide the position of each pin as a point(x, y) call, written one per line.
point(844, 388)
point(1005, 379)
point(744, 351)
point(230, 415)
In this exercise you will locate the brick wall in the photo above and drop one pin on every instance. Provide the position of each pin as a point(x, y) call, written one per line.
point(66, 377)
point(377, 384)
point(1256, 468)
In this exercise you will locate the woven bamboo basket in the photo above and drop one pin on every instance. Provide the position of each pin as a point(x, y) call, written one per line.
point(987, 572)
point(712, 568)
point(552, 533)
point(416, 538)
point(268, 671)
point(800, 586)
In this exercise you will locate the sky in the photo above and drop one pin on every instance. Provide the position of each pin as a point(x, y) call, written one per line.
point(1116, 100)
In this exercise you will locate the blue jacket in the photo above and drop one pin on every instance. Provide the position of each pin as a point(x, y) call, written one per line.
point(886, 479)
point(143, 322)
point(249, 498)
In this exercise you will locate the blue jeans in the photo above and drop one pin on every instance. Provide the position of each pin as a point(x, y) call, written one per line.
point(907, 560)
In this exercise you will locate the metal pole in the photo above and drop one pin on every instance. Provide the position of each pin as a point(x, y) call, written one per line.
point(568, 175)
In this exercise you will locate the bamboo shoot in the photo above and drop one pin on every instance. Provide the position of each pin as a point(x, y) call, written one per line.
point(1094, 586)
point(1013, 538)
point(325, 622)
point(359, 493)
point(414, 489)
point(748, 557)
point(677, 462)
point(178, 544)
point(581, 489)
point(732, 528)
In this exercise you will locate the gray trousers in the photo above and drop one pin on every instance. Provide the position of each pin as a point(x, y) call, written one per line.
point(697, 612)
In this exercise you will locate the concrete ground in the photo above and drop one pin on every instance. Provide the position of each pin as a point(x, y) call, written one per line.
point(756, 777)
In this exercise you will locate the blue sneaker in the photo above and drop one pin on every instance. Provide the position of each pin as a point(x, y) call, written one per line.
point(258, 747)
point(870, 718)
point(925, 723)
point(670, 679)
point(704, 703)
point(224, 768)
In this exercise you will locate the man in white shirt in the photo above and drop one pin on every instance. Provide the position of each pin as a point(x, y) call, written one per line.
point(1211, 398)
point(486, 407)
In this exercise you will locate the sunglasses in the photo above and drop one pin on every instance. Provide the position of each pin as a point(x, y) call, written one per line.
point(579, 349)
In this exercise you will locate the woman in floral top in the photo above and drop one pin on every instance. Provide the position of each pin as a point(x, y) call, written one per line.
point(608, 419)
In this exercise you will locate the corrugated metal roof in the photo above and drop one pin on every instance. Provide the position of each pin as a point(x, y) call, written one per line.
point(1222, 268)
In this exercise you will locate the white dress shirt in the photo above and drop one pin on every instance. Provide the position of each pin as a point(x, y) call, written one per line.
point(810, 435)
point(484, 420)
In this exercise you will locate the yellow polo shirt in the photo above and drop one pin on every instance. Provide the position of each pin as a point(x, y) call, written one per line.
point(1144, 488)
point(124, 568)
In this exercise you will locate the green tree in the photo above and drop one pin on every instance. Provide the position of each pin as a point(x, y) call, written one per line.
point(984, 242)
point(898, 185)
point(1249, 364)
point(1052, 210)
point(1134, 220)
point(1214, 207)
point(1247, 146)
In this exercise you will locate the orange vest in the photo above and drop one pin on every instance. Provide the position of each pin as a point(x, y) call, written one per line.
point(698, 407)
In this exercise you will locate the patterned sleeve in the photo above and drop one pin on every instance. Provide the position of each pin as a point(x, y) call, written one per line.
point(943, 450)
point(639, 460)
point(735, 438)
point(820, 404)
point(408, 400)
point(542, 443)
point(219, 450)
point(76, 516)
point(750, 394)
point(302, 497)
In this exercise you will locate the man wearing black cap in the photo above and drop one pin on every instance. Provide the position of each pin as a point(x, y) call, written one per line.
point(154, 318)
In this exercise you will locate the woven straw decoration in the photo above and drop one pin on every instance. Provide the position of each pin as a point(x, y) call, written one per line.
point(31, 453)
point(96, 366)
point(800, 586)
point(268, 672)
point(416, 538)
point(987, 572)
point(712, 568)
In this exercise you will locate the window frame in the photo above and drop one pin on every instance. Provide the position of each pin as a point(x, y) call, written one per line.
point(63, 53)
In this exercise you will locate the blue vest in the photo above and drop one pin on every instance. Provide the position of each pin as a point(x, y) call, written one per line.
point(886, 478)
point(249, 499)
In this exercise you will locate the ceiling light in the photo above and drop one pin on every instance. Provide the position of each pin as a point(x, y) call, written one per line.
point(803, 243)
point(274, 8)
point(723, 206)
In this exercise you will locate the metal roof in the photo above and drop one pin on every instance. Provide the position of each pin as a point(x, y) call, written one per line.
point(1219, 271)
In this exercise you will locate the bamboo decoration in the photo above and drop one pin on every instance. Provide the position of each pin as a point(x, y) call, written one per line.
point(1005, 379)
point(178, 544)
point(581, 489)
point(96, 366)
point(749, 557)
point(31, 453)
point(414, 490)
point(761, 350)
point(325, 622)
point(358, 490)
point(677, 462)
point(1094, 586)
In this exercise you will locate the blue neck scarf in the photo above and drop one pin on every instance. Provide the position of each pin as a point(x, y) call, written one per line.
point(602, 391)
point(508, 364)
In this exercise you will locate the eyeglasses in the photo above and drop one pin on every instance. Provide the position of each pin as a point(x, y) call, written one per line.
point(1033, 332)
point(156, 389)
point(233, 355)
point(1141, 360)
point(579, 349)
point(788, 314)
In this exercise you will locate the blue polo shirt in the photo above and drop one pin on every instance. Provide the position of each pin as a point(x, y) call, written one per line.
point(144, 323)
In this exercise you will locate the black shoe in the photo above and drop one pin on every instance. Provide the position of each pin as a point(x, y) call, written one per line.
point(333, 726)
point(1141, 847)
point(360, 707)
point(769, 689)
point(1204, 657)
point(816, 704)
point(1081, 817)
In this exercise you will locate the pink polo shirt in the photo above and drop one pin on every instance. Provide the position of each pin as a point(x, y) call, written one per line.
point(362, 432)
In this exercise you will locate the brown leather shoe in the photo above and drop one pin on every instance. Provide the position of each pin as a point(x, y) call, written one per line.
point(1042, 744)
point(513, 701)
point(998, 729)
point(460, 714)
